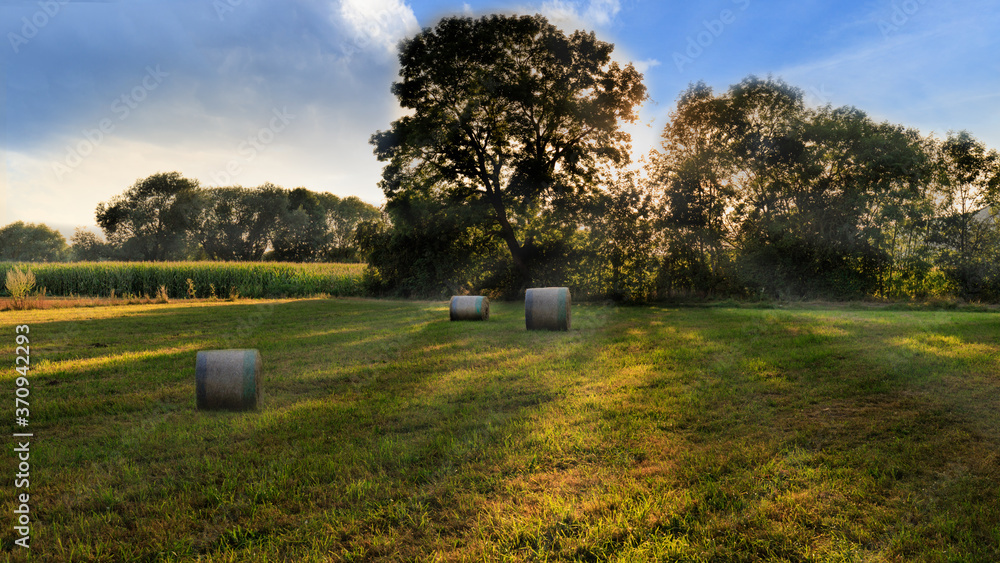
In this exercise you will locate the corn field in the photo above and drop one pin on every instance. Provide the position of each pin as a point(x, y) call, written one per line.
point(223, 279)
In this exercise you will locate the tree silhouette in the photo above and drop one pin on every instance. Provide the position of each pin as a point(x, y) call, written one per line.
point(511, 118)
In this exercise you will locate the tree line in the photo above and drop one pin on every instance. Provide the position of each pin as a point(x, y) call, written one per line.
point(169, 217)
point(510, 171)
point(761, 193)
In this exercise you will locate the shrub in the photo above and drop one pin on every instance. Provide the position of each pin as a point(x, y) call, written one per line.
point(19, 284)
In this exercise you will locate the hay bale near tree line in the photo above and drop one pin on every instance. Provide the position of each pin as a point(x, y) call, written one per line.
point(547, 308)
point(228, 379)
point(469, 308)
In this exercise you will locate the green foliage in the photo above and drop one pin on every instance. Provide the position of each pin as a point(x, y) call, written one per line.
point(154, 219)
point(196, 279)
point(301, 232)
point(28, 242)
point(965, 231)
point(920, 282)
point(430, 250)
point(168, 217)
point(753, 194)
point(765, 195)
point(343, 215)
point(240, 223)
point(88, 247)
point(513, 122)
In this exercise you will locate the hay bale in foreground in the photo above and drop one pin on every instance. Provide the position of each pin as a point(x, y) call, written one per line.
point(469, 308)
point(228, 379)
point(547, 308)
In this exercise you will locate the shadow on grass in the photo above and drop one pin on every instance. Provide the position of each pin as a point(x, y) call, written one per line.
point(387, 432)
point(865, 433)
point(378, 419)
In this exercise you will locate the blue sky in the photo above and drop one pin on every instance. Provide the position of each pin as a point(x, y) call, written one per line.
point(98, 94)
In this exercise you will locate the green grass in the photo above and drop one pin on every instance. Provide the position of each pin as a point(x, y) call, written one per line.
point(208, 279)
point(388, 433)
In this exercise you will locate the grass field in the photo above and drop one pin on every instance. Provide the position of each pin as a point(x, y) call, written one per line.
point(814, 433)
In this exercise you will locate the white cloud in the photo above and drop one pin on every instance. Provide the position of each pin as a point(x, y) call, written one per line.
point(601, 12)
point(378, 22)
point(572, 14)
point(644, 66)
point(330, 63)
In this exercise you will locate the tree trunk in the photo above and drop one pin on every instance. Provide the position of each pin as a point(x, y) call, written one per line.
point(517, 251)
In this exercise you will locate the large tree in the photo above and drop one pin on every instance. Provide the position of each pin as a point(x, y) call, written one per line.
point(239, 223)
point(87, 246)
point(343, 215)
point(155, 219)
point(511, 118)
point(699, 195)
point(791, 199)
point(968, 177)
point(28, 242)
point(301, 233)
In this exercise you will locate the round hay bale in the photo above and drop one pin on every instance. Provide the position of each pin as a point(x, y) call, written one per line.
point(547, 308)
point(469, 308)
point(228, 379)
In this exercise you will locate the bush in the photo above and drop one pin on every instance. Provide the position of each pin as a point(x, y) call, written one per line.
point(19, 284)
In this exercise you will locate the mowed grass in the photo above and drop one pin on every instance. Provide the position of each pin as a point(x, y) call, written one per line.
point(389, 433)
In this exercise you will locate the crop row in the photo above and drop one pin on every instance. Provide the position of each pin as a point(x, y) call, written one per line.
point(247, 279)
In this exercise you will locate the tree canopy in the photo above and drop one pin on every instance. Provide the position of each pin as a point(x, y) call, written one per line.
point(87, 246)
point(753, 192)
point(169, 217)
point(154, 218)
point(965, 228)
point(512, 120)
point(28, 242)
point(239, 223)
point(804, 199)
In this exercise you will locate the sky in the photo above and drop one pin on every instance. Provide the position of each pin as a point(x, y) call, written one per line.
point(95, 95)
